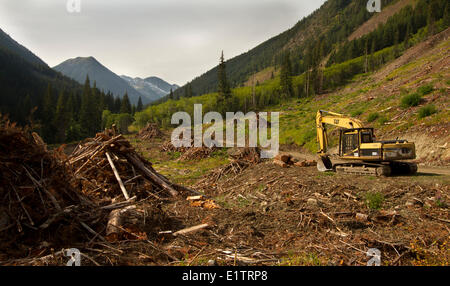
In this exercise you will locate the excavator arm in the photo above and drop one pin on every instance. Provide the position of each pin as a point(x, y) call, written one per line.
point(331, 118)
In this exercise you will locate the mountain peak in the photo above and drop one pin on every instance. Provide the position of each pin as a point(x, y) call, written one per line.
point(78, 68)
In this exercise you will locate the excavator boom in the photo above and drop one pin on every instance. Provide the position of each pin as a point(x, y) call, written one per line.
point(326, 117)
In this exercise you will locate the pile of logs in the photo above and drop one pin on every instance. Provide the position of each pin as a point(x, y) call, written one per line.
point(197, 153)
point(287, 160)
point(150, 131)
point(38, 191)
point(104, 191)
point(108, 165)
point(168, 147)
point(189, 153)
point(241, 159)
point(247, 154)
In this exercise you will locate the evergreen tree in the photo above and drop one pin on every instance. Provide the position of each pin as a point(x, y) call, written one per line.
point(171, 95)
point(117, 105)
point(125, 107)
point(97, 108)
point(223, 87)
point(431, 18)
point(447, 15)
point(140, 106)
point(84, 110)
point(186, 91)
point(62, 118)
point(27, 107)
point(408, 33)
point(73, 128)
point(286, 76)
point(190, 93)
point(88, 113)
point(48, 112)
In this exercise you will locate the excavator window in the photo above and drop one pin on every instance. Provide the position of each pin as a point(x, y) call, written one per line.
point(350, 142)
point(366, 137)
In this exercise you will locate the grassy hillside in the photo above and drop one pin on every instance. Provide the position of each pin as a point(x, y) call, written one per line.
point(333, 22)
point(385, 100)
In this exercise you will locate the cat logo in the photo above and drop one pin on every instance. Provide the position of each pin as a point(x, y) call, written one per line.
point(336, 121)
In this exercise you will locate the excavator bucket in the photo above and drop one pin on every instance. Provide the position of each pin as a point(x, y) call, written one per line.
point(324, 164)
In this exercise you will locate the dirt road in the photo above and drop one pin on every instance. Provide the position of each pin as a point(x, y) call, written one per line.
point(434, 170)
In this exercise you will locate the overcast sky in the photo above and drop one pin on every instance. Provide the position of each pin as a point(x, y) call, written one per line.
point(176, 40)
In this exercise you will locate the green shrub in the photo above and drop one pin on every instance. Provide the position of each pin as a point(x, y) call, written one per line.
point(372, 117)
point(411, 100)
point(122, 121)
point(425, 89)
point(356, 113)
point(374, 200)
point(427, 111)
point(383, 120)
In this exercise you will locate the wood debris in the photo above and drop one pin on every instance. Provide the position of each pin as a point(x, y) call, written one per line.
point(287, 160)
point(150, 131)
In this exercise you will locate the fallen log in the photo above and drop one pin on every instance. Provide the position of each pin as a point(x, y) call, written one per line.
point(151, 175)
point(286, 158)
point(115, 220)
point(116, 173)
point(191, 229)
point(280, 163)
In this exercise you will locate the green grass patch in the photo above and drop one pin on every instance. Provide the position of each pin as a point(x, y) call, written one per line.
point(425, 89)
point(427, 111)
point(411, 100)
point(373, 116)
point(308, 259)
point(374, 200)
point(356, 113)
point(383, 120)
point(174, 155)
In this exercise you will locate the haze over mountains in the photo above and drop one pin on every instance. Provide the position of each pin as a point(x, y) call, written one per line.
point(149, 89)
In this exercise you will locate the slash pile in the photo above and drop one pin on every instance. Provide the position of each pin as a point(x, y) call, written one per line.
point(197, 153)
point(37, 191)
point(241, 159)
point(102, 192)
point(109, 166)
point(150, 131)
point(189, 153)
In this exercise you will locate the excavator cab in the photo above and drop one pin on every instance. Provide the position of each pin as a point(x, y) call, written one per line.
point(351, 141)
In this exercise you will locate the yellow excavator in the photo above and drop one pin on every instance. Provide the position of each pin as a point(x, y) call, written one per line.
point(359, 152)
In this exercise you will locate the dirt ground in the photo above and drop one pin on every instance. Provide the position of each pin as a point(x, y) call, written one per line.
point(300, 217)
point(271, 215)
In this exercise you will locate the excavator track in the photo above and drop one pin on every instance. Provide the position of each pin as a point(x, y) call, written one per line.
point(368, 169)
point(403, 168)
point(374, 169)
